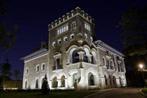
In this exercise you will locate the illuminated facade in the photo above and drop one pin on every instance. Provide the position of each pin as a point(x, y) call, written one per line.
point(73, 59)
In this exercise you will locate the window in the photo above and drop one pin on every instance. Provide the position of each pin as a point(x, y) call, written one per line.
point(62, 29)
point(106, 81)
point(71, 36)
point(87, 26)
point(85, 36)
point(85, 59)
point(27, 70)
point(65, 38)
point(57, 64)
point(36, 85)
point(26, 84)
point(43, 66)
point(91, 39)
point(104, 61)
point(54, 82)
point(53, 44)
point(59, 41)
point(107, 64)
point(75, 57)
point(37, 68)
point(111, 64)
point(63, 81)
point(73, 25)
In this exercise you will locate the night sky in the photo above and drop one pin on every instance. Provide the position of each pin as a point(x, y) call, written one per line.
point(33, 17)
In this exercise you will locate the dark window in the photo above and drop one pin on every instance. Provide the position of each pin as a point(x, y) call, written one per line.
point(37, 68)
point(43, 67)
point(26, 84)
point(92, 59)
point(58, 62)
point(75, 57)
point(36, 86)
point(54, 82)
point(85, 58)
point(107, 64)
point(63, 81)
point(106, 81)
point(111, 64)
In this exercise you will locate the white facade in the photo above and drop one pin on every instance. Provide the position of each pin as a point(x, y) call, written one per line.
point(79, 63)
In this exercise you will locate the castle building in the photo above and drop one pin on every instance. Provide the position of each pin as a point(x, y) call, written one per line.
point(73, 59)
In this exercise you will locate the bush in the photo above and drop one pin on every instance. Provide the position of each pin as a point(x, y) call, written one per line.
point(45, 87)
point(144, 90)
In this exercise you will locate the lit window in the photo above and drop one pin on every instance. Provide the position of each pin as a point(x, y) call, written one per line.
point(73, 25)
point(62, 29)
point(87, 26)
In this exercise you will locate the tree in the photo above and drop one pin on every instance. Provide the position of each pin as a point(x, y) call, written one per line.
point(45, 87)
point(7, 40)
point(6, 67)
point(134, 34)
point(16, 74)
point(2, 7)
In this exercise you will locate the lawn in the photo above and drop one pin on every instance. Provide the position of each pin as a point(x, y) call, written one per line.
point(52, 94)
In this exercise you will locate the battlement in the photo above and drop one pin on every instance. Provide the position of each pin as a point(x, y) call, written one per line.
point(69, 15)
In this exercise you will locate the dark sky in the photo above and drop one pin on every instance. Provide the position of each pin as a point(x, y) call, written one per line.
point(33, 17)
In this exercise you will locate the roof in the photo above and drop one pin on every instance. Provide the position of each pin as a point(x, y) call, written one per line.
point(36, 53)
point(100, 43)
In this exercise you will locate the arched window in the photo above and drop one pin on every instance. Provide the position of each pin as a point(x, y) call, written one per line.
point(75, 57)
point(106, 81)
point(85, 58)
point(111, 64)
point(91, 79)
point(37, 86)
point(107, 64)
point(43, 66)
point(63, 81)
point(110, 81)
point(120, 81)
point(54, 82)
point(114, 81)
point(104, 61)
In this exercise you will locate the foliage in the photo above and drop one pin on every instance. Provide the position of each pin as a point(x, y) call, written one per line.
point(7, 38)
point(6, 67)
point(134, 31)
point(45, 87)
point(134, 34)
point(2, 7)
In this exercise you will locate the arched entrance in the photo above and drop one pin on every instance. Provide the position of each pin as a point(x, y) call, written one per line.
point(91, 81)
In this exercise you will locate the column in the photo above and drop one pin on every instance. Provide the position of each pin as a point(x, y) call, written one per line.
point(81, 55)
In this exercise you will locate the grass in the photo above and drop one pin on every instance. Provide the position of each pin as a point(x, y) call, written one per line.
point(52, 94)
